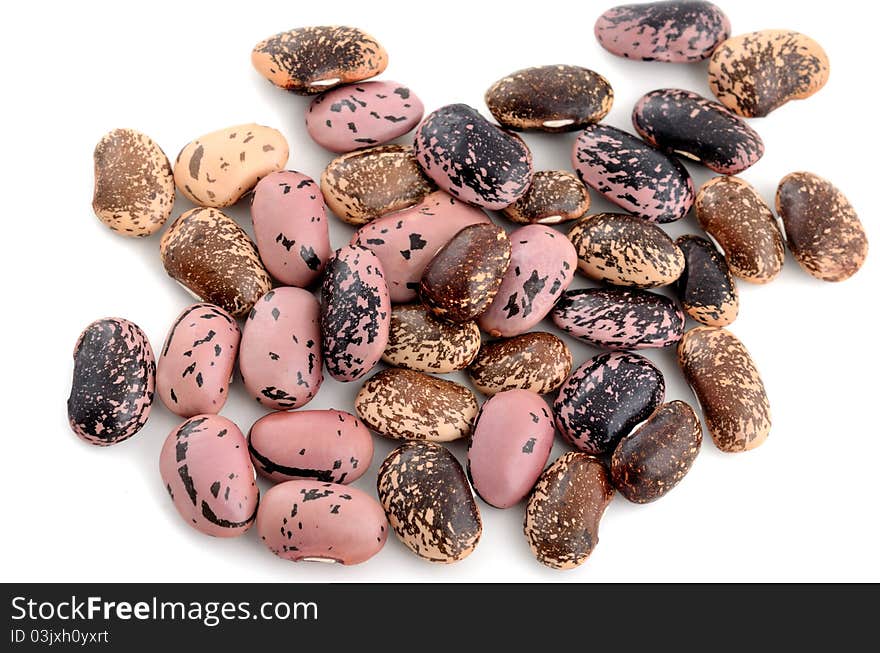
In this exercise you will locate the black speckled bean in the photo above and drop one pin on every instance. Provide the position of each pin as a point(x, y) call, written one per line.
point(605, 398)
point(676, 31)
point(355, 313)
point(632, 174)
point(706, 288)
point(472, 159)
point(114, 380)
point(614, 318)
point(685, 123)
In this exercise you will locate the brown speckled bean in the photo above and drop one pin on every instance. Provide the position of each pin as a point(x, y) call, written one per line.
point(364, 185)
point(407, 405)
point(823, 231)
point(625, 251)
point(564, 509)
point(207, 253)
point(310, 60)
point(554, 196)
point(419, 341)
point(536, 361)
point(550, 98)
point(429, 503)
point(463, 278)
point(727, 384)
point(735, 215)
point(653, 459)
point(755, 73)
point(134, 188)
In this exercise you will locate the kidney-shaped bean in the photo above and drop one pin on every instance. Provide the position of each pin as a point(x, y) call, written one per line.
point(206, 469)
point(280, 359)
point(310, 521)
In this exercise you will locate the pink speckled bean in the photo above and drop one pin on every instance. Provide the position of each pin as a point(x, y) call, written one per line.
point(360, 115)
point(542, 265)
point(407, 240)
point(676, 31)
point(290, 227)
point(325, 445)
point(510, 446)
point(321, 522)
point(280, 359)
point(195, 368)
point(205, 466)
point(614, 318)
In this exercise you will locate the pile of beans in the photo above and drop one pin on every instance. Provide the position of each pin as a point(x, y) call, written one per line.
point(427, 274)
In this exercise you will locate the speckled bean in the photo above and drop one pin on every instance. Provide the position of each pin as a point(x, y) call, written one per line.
point(355, 313)
point(290, 227)
point(542, 265)
point(206, 469)
point(419, 341)
point(727, 384)
point(735, 215)
point(676, 31)
point(114, 380)
point(706, 288)
point(625, 251)
point(685, 123)
point(280, 359)
point(330, 446)
point(195, 368)
point(563, 511)
point(554, 196)
point(472, 159)
point(429, 503)
point(605, 398)
point(213, 258)
point(310, 521)
point(510, 446)
point(753, 74)
point(462, 279)
point(134, 187)
point(615, 318)
point(535, 361)
point(550, 98)
point(632, 174)
point(823, 231)
point(407, 405)
point(653, 459)
point(218, 168)
point(364, 185)
point(361, 115)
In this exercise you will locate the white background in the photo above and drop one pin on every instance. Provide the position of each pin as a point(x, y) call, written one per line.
point(801, 507)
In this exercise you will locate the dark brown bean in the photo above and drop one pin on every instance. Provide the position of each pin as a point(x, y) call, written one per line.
point(706, 288)
point(651, 460)
point(564, 509)
point(555, 196)
point(823, 231)
point(550, 98)
point(727, 384)
point(461, 281)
